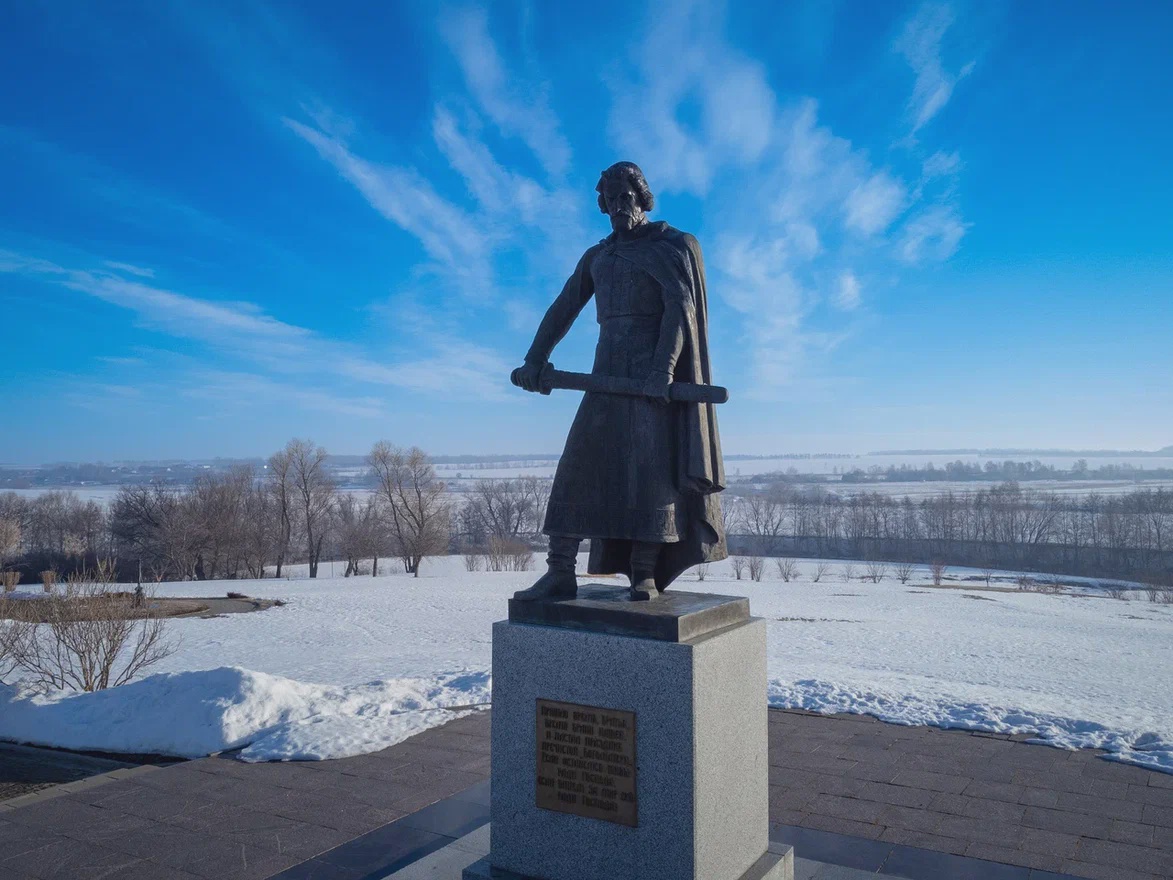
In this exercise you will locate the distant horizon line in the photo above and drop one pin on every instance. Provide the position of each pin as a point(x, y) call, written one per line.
point(479, 458)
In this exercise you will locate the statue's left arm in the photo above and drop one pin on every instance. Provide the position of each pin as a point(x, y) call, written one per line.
point(673, 324)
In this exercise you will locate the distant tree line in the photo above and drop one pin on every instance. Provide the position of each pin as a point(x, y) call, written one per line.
point(1124, 535)
point(1002, 471)
point(253, 521)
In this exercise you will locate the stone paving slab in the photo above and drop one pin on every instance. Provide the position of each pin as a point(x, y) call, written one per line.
point(868, 796)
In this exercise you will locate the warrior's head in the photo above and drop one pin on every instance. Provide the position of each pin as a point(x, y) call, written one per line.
point(624, 196)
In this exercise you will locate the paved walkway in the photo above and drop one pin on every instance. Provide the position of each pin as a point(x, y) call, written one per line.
point(910, 802)
point(26, 770)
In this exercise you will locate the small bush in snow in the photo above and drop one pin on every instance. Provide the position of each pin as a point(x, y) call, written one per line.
point(91, 636)
point(938, 571)
point(9, 579)
point(787, 569)
point(473, 561)
point(847, 573)
point(821, 570)
point(904, 571)
point(876, 571)
point(738, 566)
point(48, 580)
point(702, 571)
point(756, 566)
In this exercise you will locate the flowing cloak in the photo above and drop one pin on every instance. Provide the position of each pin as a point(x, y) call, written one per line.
point(696, 532)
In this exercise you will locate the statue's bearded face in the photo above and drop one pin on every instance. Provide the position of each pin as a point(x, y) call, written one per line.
point(623, 204)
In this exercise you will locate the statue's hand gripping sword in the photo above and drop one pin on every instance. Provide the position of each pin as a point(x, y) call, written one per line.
point(687, 392)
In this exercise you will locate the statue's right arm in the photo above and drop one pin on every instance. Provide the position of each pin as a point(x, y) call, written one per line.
point(576, 293)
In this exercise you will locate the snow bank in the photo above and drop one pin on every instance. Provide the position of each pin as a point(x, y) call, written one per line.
point(191, 714)
point(1145, 748)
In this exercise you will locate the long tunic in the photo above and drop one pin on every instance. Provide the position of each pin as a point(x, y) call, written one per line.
point(635, 469)
point(617, 475)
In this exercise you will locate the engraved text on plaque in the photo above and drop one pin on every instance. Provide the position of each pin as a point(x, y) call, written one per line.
point(586, 761)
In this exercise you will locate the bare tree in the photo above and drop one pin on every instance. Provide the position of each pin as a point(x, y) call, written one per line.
point(757, 567)
point(508, 510)
point(417, 508)
point(988, 574)
point(847, 573)
point(313, 492)
point(937, 569)
point(89, 638)
point(904, 571)
point(702, 571)
point(821, 570)
point(876, 571)
point(738, 566)
point(262, 528)
point(281, 479)
point(357, 526)
point(787, 568)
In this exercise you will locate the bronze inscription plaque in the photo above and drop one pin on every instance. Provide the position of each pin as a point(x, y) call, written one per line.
point(586, 761)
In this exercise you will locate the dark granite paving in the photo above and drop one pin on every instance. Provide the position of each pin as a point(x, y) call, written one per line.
point(24, 770)
point(985, 796)
point(918, 803)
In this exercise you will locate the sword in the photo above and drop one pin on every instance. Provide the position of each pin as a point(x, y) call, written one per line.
point(685, 392)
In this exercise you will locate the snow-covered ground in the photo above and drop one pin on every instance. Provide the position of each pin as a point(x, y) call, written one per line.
point(353, 665)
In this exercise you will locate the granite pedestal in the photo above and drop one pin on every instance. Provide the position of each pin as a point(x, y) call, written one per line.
point(679, 684)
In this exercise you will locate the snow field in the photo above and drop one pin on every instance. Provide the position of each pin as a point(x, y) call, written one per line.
point(354, 665)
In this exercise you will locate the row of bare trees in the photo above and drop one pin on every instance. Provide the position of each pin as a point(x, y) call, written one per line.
point(1005, 514)
point(245, 521)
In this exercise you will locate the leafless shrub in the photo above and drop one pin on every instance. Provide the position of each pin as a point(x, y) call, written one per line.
point(787, 568)
point(10, 537)
point(92, 637)
point(9, 579)
point(506, 554)
point(988, 575)
point(938, 569)
point(756, 567)
point(702, 571)
point(738, 563)
point(904, 571)
point(876, 571)
point(821, 570)
point(847, 573)
point(49, 580)
point(522, 557)
point(473, 560)
point(1050, 586)
point(1114, 591)
point(1158, 593)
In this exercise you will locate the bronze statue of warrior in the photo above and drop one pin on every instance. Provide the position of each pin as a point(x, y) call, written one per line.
point(640, 474)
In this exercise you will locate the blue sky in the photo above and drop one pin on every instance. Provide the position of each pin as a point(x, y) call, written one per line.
point(925, 225)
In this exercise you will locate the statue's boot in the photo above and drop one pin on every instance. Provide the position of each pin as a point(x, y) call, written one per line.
point(643, 570)
point(559, 581)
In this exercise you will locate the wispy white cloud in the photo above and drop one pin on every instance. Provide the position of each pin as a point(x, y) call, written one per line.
point(242, 330)
point(920, 44)
point(448, 234)
point(932, 235)
point(848, 297)
point(941, 164)
point(227, 387)
point(129, 269)
point(875, 203)
point(737, 105)
point(519, 107)
point(788, 200)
